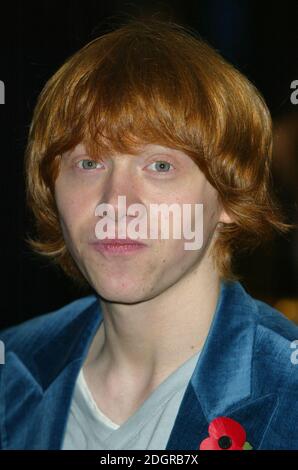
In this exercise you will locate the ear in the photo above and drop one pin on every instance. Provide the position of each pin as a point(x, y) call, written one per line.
point(224, 217)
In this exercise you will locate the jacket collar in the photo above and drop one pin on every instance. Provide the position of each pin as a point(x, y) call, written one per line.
point(221, 384)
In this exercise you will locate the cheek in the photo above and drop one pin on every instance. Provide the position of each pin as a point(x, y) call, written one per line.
point(173, 262)
point(198, 224)
point(211, 215)
point(71, 208)
point(174, 257)
point(211, 208)
point(197, 216)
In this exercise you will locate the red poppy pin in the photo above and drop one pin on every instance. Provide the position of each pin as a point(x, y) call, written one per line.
point(225, 434)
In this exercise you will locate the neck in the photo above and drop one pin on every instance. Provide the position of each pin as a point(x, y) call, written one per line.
point(148, 340)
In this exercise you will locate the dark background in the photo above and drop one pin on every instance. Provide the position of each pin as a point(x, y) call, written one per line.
point(260, 38)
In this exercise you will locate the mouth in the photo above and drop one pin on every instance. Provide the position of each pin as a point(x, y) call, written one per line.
point(118, 246)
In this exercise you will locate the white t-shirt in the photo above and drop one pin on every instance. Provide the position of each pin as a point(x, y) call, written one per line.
point(148, 428)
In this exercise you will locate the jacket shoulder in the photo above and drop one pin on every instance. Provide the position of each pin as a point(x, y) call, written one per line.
point(274, 345)
point(276, 370)
point(276, 351)
point(31, 332)
point(276, 337)
point(275, 321)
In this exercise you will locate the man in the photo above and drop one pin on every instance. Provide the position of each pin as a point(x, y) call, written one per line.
point(170, 340)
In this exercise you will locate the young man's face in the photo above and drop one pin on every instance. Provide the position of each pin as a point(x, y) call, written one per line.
point(156, 175)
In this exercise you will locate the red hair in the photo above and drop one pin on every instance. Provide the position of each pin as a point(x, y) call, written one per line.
point(152, 81)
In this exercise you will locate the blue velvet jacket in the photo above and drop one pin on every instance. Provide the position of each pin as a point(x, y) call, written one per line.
point(245, 371)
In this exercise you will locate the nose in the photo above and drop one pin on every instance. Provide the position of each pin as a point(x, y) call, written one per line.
point(121, 185)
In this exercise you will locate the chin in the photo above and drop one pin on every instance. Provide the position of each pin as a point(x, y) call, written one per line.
point(121, 291)
point(121, 298)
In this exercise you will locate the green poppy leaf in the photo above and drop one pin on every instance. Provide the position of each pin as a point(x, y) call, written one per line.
point(247, 446)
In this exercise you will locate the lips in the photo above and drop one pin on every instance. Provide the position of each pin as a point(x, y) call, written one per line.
point(116, 246)
point(118, 242)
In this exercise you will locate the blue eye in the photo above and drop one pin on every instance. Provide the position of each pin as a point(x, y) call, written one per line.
point(88, 164)
point(162, 165)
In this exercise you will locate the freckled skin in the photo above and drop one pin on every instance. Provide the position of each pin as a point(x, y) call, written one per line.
point(149, 272)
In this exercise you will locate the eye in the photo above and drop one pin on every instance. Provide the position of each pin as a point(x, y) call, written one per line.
point(162, 165)
point(88, 164)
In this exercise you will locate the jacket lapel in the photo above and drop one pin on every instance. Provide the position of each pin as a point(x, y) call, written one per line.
point(221, 384)
point(191, 425)
point(46, 385)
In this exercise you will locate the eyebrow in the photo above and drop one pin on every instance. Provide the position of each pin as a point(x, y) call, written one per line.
point(143, 152)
